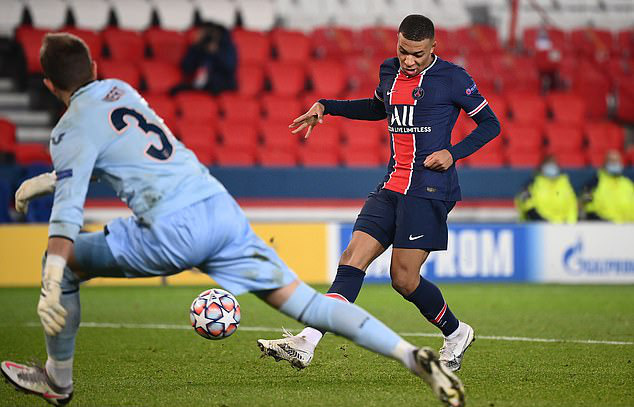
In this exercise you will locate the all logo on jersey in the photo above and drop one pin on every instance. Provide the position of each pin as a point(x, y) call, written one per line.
point(402, 121)
point(470, 90)
point(418, 93)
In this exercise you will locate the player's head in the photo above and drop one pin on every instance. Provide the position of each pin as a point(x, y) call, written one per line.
point(613, 163)
point(67, 64)
point(416, 44)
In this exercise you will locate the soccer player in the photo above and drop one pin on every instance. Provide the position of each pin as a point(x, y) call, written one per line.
point(183, 218)
point(421, 96)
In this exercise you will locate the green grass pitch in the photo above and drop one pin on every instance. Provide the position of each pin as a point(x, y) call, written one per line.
point(175, 367)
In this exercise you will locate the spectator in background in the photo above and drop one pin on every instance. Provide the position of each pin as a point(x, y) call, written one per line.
point(610, 195)
point(548, 60)
point(210, 62)
point(548, 197)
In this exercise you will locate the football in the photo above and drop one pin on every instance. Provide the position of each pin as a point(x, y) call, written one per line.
point(215, 314)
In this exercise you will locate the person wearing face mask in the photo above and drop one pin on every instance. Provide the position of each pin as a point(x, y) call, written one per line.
point(610, 195)
point(548, 197)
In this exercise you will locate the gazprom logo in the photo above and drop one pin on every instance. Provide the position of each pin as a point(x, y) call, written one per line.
point(576, 263)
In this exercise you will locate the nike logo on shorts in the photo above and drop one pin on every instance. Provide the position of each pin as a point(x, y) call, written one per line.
point(415, 237)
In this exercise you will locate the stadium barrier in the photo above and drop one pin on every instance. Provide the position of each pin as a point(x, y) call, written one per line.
point(584, 253)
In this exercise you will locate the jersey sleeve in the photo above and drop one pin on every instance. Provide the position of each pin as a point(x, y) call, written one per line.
point(74, 158)
point(464, 93)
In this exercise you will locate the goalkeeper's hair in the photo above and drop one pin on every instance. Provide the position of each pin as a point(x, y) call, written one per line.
point(66, 61)
point(416, 27)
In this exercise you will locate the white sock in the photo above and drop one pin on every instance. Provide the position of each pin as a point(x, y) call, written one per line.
point(404, 352)
point(312, 335)
point(61, 373)
point(455, 333)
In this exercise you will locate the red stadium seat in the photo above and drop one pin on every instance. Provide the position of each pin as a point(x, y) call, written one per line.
point(522, 138)
point(314, 157)
point(30, 153)
point(253, 47)
point(124, 45)
point(519, 75)
point(93, 40)
point(239, 108)
point(31, 41)
point(196, 133)
point(571, 159)
point(527, 108)
point(160, 77)
point(490, 155)
point(271, 157)
point(164, 106)
point(197, 106)
point(167, 46)
point(498, 105)
point(282, 108)
point(123, 70)
point(567, 108)
point(353, 156)
point(361, 134)
point(593, 87)
point(238, 135)
point(592, 42)
point(625, 102)
point(277, 136)
point(205, 151)
point(287, 79)
point(556, 36)
point(324, 137)
point(602, 136)
point(291, 46)
point(250, 80)
point(625, 42)
point(7, 136)
point(629, 156)
point(234, 157)
point(524, 159)
point(563, 138)
point(328, 77)
point(334, 42)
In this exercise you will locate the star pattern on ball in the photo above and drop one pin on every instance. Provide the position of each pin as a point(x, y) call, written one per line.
point(228, 317)
point(201, 320)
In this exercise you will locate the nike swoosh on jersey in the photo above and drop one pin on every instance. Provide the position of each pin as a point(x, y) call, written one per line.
point(415, 237)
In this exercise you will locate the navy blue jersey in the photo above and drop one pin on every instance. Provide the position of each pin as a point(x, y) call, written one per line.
point(421, 112)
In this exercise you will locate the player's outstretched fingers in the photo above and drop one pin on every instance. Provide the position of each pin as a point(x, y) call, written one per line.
point(300, 128)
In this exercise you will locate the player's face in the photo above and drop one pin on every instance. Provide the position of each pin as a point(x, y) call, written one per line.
point(414, 56)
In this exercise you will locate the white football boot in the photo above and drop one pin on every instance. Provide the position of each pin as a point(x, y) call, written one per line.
point(445, 385)
point(294, 349)
point(34, 380)
point(455, 346)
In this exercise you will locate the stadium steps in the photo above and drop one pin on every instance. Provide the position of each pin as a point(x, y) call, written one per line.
point(32, 125)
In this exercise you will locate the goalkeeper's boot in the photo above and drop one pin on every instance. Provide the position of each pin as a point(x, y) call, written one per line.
point(294, 349)
point(34, 380)
point(445, 385)
point(455, 346)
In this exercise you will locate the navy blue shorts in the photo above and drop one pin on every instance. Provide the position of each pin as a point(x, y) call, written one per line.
point(405, 221)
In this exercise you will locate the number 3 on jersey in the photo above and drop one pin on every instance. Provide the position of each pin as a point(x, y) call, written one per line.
point(116, 118)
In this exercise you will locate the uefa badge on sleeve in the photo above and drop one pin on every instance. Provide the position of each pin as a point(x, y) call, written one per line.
point(418, 93)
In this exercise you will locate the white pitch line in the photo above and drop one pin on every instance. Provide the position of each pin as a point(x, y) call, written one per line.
point(270, 329)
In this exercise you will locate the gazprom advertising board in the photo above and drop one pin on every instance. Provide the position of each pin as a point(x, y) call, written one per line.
point(582, 253)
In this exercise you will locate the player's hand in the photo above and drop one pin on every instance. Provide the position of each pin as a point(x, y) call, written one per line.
point(439, 160)
point(37, 186)
point(52, 314)
point(308, 120)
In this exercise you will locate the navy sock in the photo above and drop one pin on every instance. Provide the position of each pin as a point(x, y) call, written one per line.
point(429, 300)
point(348, 282)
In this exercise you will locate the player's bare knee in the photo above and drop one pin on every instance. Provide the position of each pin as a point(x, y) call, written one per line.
point(404, 282)
point(352, 257)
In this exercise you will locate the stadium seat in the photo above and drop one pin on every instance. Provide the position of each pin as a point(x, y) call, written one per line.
point(567, 108)
point(167, 46)
point(271, 157)
point(325, 137)
point(196, 132)
point(361, 134)
point(234, 157)
point(625, 102)
point(625, 42)
point(527, 108)
point(591, 42)
point(221, 12)
point(564, 139)
point(7, 136)
point(176, 15)
point(125, 71)
point(277, 136)
point(520, 76)
point(164, 106)
point(93, 40)
point(287, 79)
point(291, 46)
point(204, 150)
point(132, 14)
point(31, 41)
point(197, 106)
point(334, 42)
point(571, 159)
point(281, 108)
point(522, 138)
point(250, 80)
point(328, 78)
point(253, 47)
point(257, 15)
point(314, 157)
point(124, 45)
point(594, 88)
point(498, 105)
point(90, 14)
point(353, 156)
point(238, 135)
point(490, 155)
point(31, 153)
point(10, 17)
point(601, 137)
point(47, 14)
point(160, 77)
point(524, 159)
point(239, 108)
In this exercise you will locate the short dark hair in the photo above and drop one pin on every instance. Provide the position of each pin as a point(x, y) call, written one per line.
point(416, 27)
point(66, 61)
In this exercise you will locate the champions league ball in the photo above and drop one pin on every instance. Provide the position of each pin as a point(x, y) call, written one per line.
point(215, 314)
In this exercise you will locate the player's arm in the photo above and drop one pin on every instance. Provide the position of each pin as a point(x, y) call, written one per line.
point(73, 159)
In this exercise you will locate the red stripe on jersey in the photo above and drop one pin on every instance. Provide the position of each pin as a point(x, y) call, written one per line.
point(404, 146)
point(403, 87)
